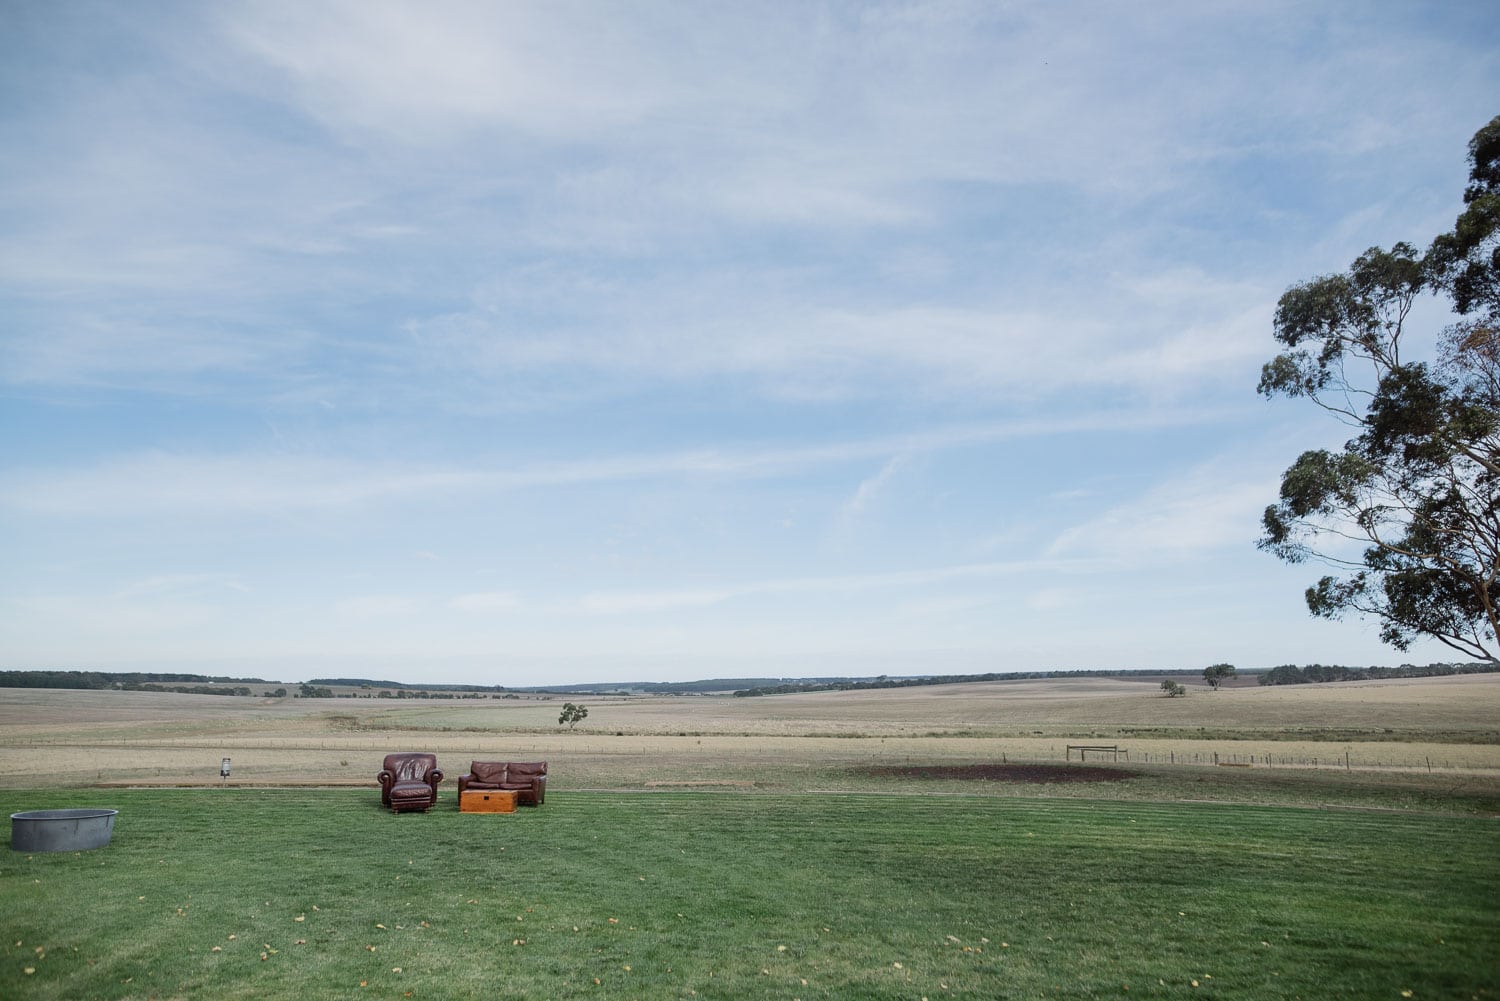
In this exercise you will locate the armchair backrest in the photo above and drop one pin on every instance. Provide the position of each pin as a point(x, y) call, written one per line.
point(410, 767)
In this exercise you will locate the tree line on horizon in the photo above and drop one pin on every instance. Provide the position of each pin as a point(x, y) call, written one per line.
point(860, 684)
point(1290, 674)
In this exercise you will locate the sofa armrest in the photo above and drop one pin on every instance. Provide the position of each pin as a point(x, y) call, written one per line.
point(463, 782)
point(433, 778)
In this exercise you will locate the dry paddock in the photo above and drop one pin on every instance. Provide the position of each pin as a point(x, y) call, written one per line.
point(51, 738)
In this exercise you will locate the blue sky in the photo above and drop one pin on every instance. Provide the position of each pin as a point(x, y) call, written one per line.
point(543, 343)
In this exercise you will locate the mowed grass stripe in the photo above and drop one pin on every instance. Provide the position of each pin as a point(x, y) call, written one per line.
point(666, 895)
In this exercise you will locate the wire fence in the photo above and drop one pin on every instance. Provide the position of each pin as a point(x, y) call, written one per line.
point(33, 756)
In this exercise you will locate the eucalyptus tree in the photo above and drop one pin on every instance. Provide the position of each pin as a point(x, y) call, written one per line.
point(1407, 513)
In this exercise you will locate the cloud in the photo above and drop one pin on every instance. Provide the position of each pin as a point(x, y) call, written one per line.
point(649, 602)
point(869, 489)
point(424, 75)
point(210, 486)
point(180, 586)
point(644, 601)
point(231, 485)
point(643, 172)
point(377, 606)
point(1214, 506)
point(485, 602)
point(1151, 336)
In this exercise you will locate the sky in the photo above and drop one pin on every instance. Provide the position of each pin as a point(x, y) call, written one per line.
point(550, 343)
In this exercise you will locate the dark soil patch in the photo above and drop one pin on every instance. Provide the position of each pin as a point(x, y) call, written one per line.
point(1024, 774)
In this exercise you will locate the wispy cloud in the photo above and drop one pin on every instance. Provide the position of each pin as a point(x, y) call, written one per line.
point(635, 602)
point(210, 486)
point(486, 602)
point(1212, 507)
point(870, 488)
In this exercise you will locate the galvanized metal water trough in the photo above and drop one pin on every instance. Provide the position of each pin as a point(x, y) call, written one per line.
point(61, 830)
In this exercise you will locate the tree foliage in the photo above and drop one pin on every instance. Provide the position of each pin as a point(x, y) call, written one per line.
point(572, 715)
point(1408, 512)
point(1217, 674)
point(1172, 689)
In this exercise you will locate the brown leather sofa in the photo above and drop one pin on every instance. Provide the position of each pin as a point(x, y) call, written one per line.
point(527, 778)
point(409, 781)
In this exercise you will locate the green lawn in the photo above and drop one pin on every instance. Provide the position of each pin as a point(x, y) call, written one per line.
point(229, 894)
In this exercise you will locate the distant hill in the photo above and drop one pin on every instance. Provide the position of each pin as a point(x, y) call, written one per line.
point(1286, 674)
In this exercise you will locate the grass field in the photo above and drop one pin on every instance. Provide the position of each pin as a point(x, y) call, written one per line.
point(890, 844)
point(322, 894)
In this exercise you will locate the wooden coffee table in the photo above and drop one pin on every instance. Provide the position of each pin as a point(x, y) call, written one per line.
point(487, 801)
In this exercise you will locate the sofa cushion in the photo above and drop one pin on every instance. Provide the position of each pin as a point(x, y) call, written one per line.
point(524, 771)
point(487, 772)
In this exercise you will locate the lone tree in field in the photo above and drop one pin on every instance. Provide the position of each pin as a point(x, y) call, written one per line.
point(1418, 486)
point(572, 715)
point(1172, 689)
point(1217, 674)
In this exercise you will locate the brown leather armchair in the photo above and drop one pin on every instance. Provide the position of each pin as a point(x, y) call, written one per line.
point(527, 778)
point(409, 781)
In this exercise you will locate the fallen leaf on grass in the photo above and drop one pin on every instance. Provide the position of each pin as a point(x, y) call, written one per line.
point(300, 917)
point(30, 970)
point(216, 949)
point(395, 969)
